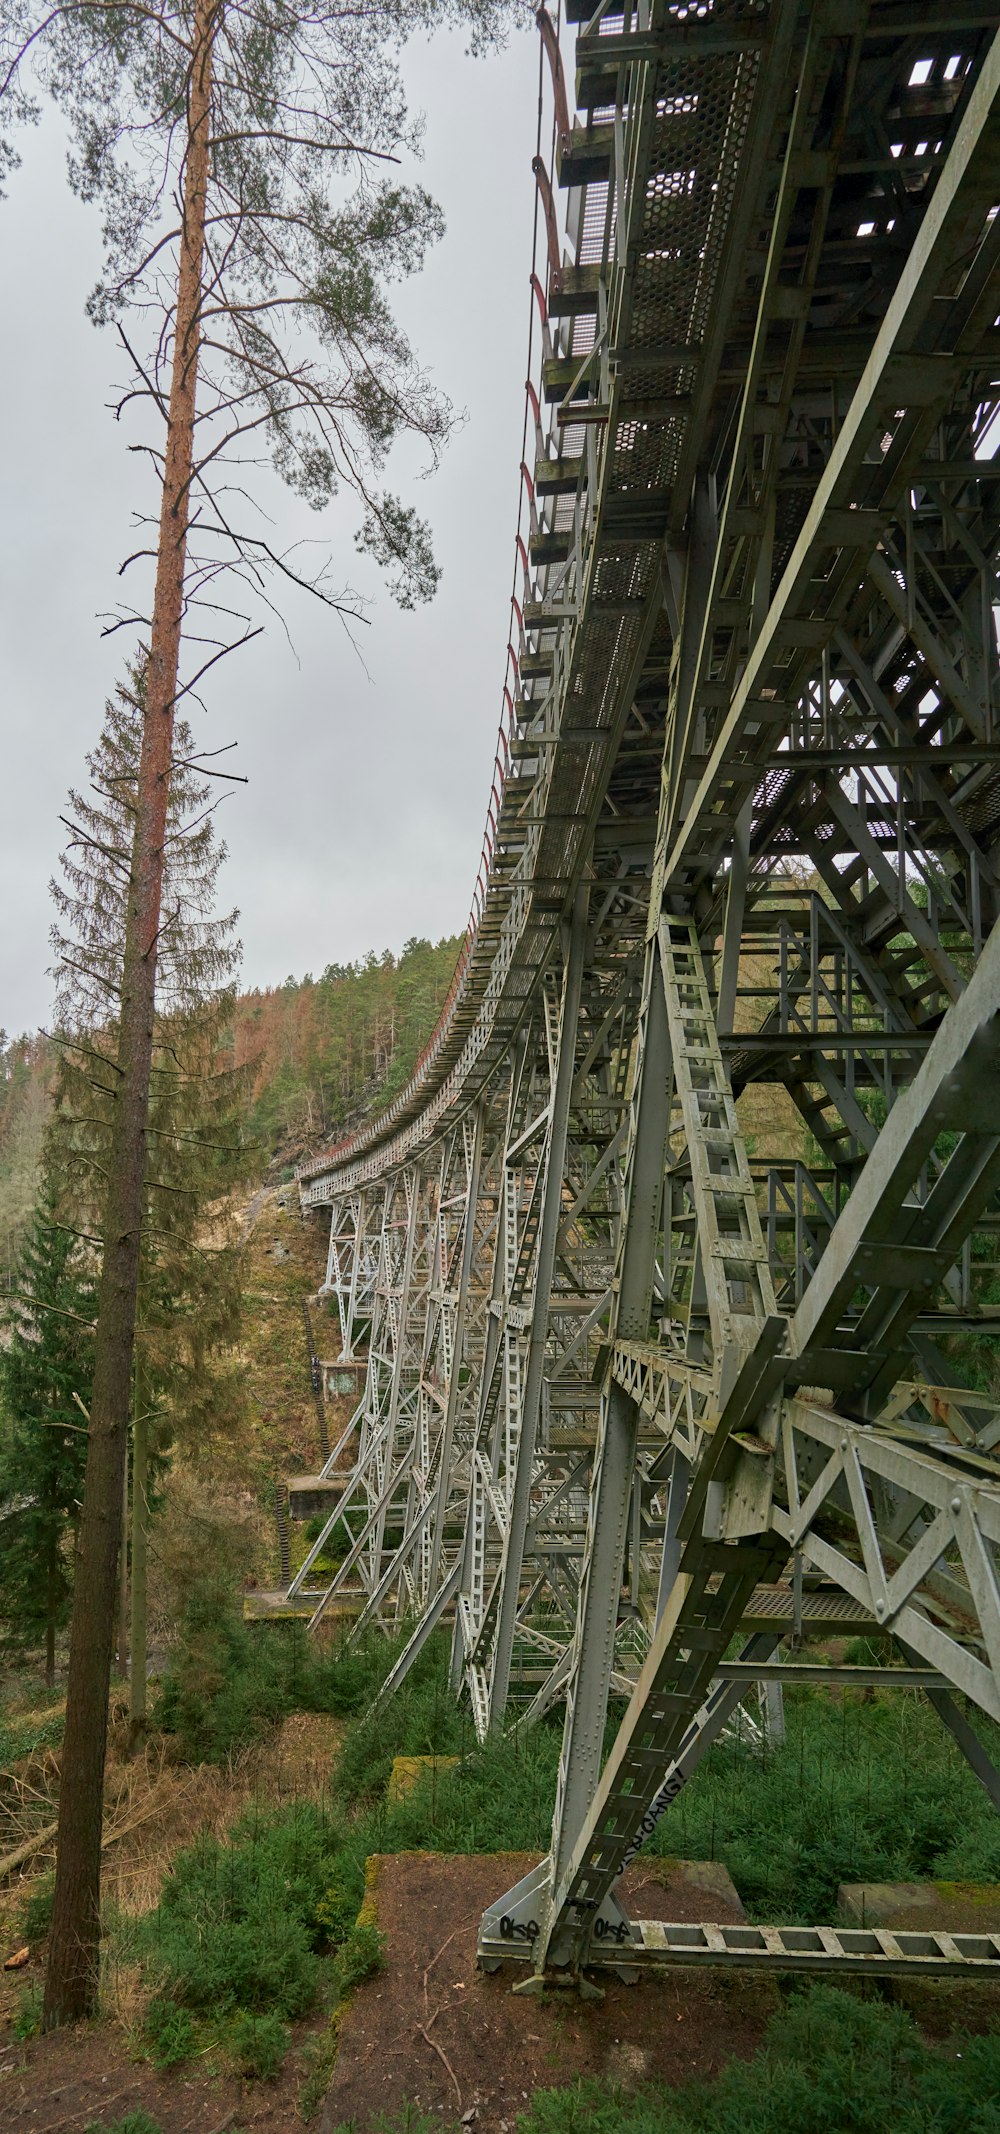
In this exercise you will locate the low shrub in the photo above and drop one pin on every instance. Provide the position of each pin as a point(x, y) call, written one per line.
point(260, 2043)
point(497, 1798)
point(861, 1790)
point(240, 1924)
point(137, 2122)
point(231, 1681)
point(360, 1956)
point(170, 2033)
point(318, 2061)
point(228, 1684)
point(26, 2020)
point(831, 2061)
point(858, 1792)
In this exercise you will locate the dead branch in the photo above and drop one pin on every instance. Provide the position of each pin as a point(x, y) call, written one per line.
point(442, 2055)
point(27, 1849)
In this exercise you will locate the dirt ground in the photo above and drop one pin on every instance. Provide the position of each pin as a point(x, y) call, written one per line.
point(62, 2082)
point(56, 2085)
point(432, 2031)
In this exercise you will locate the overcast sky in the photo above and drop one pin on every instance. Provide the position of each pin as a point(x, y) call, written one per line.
point(363, 818)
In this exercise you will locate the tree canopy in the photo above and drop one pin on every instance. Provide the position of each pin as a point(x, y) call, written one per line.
point(308, 224)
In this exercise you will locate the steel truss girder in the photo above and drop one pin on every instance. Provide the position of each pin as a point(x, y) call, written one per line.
point(767, 1466)
point(530, 1261)
point(757, 715)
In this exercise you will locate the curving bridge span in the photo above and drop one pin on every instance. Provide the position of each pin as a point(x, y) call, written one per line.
point(672, 1272)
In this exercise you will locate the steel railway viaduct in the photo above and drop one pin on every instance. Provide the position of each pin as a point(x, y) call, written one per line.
point(657, 1266)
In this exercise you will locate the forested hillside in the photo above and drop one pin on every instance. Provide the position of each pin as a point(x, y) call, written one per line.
point(326, 1047)
point(317, 1051)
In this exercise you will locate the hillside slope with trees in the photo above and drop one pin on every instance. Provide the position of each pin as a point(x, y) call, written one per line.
point(324, 1050)
point(314, 1055)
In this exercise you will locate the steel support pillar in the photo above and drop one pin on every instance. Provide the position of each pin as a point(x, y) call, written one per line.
point(548, 1233)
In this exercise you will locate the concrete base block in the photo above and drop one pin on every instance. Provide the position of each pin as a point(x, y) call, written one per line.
point(694, 1889)
point(314, 1496)
point(407, 1772)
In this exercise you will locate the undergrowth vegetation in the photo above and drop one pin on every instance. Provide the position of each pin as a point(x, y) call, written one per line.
point(235, 1948)
point(254, 1931)
point(27, 1733)
point(832, 2063)
point(860, 1790)
point(231, 1681)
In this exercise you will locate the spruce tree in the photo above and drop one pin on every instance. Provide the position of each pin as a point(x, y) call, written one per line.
point(185, 1381)
point(46, 1365)
point(180, 1281)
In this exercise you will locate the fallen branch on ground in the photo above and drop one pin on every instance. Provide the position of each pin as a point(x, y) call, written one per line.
point(42, 1837)
point(442, 2055)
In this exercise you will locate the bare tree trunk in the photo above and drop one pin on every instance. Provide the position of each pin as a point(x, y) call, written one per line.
point(50, 1610)
point(123, 1577)
point(140, 1531)
point(74, 1945)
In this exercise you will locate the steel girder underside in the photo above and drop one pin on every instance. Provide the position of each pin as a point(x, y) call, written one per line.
point(659, 1262)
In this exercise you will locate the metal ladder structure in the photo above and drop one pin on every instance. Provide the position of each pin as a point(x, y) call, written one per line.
point(659, 1261)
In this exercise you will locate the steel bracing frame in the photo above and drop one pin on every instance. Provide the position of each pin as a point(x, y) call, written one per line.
point(667, 1263)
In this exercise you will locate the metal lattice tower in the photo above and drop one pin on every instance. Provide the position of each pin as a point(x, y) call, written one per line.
point(658, 1261)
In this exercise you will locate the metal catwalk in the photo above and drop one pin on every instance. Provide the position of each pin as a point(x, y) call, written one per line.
point(659, 1262)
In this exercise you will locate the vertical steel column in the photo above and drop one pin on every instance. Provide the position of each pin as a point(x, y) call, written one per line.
point(614, 1467)
point(392, 1417)
point(548, 1235)
point(491, 1347)
point(458, 1341)
point(677, 1490)
point(732, 936)
point(333, 1265)
point(361, 1206)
